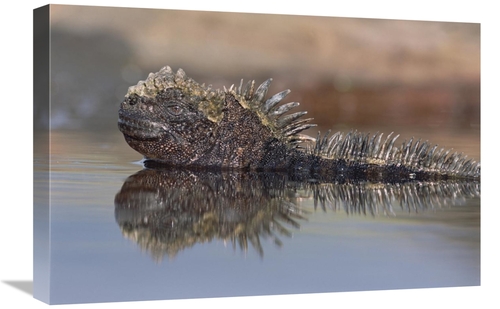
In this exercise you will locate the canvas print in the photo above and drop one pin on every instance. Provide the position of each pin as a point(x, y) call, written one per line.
point(189, 154)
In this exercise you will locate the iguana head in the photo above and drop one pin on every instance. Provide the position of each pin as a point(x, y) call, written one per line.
point(171, 118)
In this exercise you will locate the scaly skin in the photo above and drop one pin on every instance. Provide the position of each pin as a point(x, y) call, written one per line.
point(173, 120)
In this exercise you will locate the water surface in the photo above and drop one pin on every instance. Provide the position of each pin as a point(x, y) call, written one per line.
point(119, 232)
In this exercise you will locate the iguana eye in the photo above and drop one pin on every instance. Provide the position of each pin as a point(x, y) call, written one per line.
point(174, 109)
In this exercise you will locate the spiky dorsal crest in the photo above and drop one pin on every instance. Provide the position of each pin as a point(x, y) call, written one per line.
point(272, 114)
point(362, 148)
point(210, 101)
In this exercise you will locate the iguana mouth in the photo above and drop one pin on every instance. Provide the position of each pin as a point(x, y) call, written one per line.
point(141, 129)
point(137, 128)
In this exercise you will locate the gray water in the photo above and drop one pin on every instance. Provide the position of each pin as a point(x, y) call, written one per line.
point(268, 236)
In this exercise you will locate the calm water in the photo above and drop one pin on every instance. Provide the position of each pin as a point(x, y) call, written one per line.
point(119, 233)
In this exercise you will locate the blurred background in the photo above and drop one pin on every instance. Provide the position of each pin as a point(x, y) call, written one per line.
point(348, 73)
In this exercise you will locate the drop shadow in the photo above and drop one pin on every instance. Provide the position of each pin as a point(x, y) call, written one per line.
point(25, 286)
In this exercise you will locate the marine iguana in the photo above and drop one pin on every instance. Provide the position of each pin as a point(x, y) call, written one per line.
point(173, 120)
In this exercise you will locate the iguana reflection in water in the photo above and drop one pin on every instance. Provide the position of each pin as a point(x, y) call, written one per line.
point(166, 210)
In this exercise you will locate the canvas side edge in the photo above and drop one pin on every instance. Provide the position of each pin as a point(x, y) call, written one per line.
point(41, 153)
